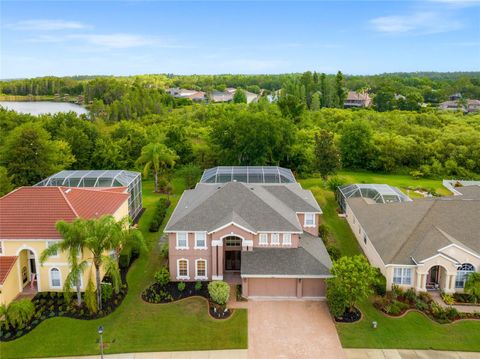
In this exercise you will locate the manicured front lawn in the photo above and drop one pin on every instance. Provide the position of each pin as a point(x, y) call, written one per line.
point(413, 331)
point(136, 326)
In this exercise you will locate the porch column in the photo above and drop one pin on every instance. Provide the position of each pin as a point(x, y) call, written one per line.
point(214, 261)
point(220, 262)
point(217, 260)
point(450, 283)
point(299, 288)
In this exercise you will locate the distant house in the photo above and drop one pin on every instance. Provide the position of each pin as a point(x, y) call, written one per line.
point(194, 95)
point(222, 96)
point(455, 97)
point(251, 97)
point(357, 99)
point(467, 106)
point(399, 97)
point(424, 244)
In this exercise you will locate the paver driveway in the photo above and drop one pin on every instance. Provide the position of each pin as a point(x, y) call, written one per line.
point(291, 329)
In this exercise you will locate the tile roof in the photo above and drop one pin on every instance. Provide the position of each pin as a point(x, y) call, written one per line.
point(32, 212)
point(6, 265)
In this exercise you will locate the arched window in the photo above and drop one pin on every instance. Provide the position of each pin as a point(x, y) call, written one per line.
point(233, 241)
point(462, 274)
point(55, 278)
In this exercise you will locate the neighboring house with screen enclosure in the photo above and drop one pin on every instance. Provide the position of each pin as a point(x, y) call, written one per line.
point(253, 226)
point(28, 216)
point(425, 244)
point(102, 178)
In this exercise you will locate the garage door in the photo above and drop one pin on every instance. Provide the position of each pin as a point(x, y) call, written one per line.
point(313, 287)
point(272, 287)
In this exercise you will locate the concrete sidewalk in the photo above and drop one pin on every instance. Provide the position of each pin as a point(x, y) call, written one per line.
point(200, 354)
point(407, 354)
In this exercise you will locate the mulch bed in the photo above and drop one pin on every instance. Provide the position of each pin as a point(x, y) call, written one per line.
point(350, 317)
point(52, 304)
point(169, 293)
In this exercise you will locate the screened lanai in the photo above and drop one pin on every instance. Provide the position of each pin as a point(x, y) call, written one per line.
point(248, 174)
point(378, 193)
point(102, 178)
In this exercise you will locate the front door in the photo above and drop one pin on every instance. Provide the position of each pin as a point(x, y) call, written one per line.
point(232, 260)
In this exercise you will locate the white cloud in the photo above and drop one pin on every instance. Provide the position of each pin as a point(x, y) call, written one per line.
point(117, 41)
point(418, 23)
point(457, 3)
point(47, 25)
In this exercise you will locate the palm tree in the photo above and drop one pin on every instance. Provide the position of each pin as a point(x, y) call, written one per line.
point(157, 158)
point(106, 235)
point(472, 285)
point(73, 243)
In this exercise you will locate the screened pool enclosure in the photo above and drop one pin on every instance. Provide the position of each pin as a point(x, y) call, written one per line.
point(102, 178)
point(378, 193)
point(248, 174)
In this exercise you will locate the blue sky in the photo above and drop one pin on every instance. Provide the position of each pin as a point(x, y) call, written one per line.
point(123, 38)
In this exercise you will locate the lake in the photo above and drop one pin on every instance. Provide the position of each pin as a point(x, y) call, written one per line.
point(43, 107)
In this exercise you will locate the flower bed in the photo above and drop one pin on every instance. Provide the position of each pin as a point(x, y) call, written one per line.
point(172, 292)
point(397, 302)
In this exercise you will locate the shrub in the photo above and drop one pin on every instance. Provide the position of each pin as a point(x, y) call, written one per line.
point(334, 182)
point(380, 284)
point(420, 305)
point(219, 292)
point(198, 286)
point(333, 252)
point(107, 291)
point(162, 277)
point(323, 232)
point(410, 295)
point(19, 313)
point(90, 297)
point(472, 286)
point(125, 257)
point(396, 291)
point(164, 251)
point(451, 313)
point(425, 297)
point(181, 286)
point(448, 299)
point(159, 215)
point(337, 300)
point(437, 311)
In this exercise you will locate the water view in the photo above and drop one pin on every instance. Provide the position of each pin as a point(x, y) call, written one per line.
point(43, 107)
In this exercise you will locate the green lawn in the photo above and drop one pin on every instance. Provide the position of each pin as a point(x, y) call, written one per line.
point(413, 331)
point(136, 326)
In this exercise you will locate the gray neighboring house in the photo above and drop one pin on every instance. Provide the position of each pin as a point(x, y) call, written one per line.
point(260, 235)
point(425, 244)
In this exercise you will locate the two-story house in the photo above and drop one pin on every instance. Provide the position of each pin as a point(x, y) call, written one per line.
point(253, 226)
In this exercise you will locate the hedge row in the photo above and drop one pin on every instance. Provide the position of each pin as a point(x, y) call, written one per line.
point(159, 215)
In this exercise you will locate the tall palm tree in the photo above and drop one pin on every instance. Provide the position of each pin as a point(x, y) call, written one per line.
point(106, 235)
point(73, 243)
point(157, 158)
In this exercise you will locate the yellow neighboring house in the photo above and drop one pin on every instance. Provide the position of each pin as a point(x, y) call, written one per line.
point(28, 216)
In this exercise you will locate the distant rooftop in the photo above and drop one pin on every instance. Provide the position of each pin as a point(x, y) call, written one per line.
point(248, 174)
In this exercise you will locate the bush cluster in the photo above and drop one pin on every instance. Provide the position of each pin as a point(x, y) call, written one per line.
point(159, 215)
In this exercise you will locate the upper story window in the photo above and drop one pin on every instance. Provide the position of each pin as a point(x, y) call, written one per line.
point(275, 239)
point(287, 239)
point(263, 239)
point(182, 240)
point(55, 280)
point(309, 220)
point(200, 240)
point(402, 275)
point(232, 241)
point(462, 274)
point(49, 244)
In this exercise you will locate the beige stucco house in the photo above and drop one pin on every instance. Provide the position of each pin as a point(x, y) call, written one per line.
point(28, 216)
point(257, 230)
point(425, 244)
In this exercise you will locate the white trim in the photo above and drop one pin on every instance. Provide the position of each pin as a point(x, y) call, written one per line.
point(454, 261)
point(50, 278)
point(229, 224)
point(217, 277)
point(284, 276)
point(277, 236)
point(217, 243)
point(305, 220)
point(37, 266)
point(203, 277)
point(247, 243)
point(178, 269)
point(293, 232)
point(402, 265)
point(204, 239)
point(177, 247)
point(459, 247)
